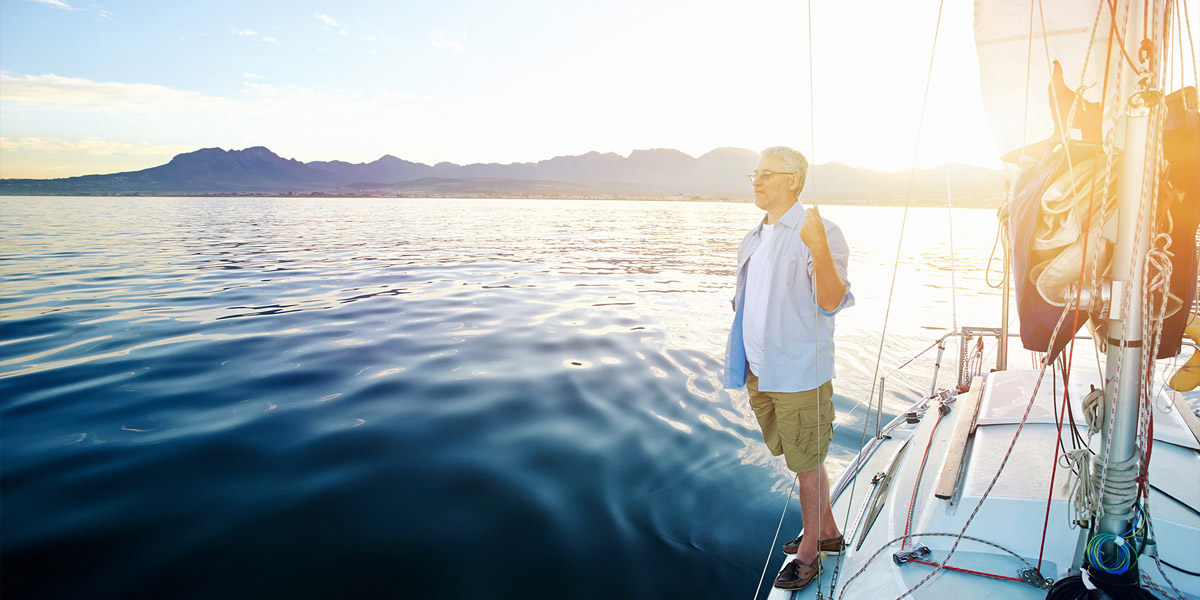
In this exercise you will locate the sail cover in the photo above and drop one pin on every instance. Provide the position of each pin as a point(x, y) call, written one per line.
point(1035, 56)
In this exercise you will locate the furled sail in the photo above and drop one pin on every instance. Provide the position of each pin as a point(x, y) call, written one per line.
point(1055, 79)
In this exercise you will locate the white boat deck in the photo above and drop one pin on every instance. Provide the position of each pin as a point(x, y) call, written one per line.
point(1013, 514)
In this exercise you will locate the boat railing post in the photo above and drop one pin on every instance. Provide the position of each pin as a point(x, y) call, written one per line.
point(1002, 348)
point(937, 364)
point(879, 409)
point(962, 383)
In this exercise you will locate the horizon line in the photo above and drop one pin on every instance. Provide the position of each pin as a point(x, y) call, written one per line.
point(624, 157)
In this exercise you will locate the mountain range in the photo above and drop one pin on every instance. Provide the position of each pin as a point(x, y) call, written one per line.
point(720, 174)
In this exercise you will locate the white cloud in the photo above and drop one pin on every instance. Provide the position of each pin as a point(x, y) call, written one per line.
point(56, 4)
point(92, 145)
point(441, 41)
point(330, 21)
point(101, 14)
point(254, 34)
point(258, 106)
point(296, 122)
point(76, 94)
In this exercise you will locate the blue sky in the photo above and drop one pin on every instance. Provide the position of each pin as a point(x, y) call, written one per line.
point(110, 85)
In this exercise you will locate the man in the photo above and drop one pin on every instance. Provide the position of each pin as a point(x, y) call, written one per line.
point(791, 282)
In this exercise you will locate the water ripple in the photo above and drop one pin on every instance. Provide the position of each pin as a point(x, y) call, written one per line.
point(343, 397)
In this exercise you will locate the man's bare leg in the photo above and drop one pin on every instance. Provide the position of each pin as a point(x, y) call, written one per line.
point(814, 501)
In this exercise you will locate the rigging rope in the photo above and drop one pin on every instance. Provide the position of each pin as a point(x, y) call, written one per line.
point(775, 540)
point(1053, 470)
point(895, 268)
point(1192, 45)
point(953, 287)
point(822, 487)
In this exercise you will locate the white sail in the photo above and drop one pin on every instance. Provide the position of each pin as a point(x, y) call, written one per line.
point(1018, 42)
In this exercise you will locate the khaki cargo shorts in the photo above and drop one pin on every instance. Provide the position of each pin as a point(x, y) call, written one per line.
point(790, 422)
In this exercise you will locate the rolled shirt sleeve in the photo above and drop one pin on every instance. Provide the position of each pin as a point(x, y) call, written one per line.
point(840, 251)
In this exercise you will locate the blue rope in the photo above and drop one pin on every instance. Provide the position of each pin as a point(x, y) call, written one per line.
point(1096, 558)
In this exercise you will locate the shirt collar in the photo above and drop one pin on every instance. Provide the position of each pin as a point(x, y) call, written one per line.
point(792, 219)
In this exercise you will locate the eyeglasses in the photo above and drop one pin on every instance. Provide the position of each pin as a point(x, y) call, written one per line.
point(765, 174)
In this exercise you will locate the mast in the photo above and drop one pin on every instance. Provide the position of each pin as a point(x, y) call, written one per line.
point(1141, 113)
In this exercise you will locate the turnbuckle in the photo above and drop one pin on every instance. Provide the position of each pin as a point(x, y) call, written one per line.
point(904, 556)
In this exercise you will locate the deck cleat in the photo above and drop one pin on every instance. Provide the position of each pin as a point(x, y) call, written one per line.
point(904, 556)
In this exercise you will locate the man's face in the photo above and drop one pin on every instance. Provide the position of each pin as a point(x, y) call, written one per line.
point(774, 191)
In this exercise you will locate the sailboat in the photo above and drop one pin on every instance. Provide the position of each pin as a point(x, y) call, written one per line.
point(1053, 482)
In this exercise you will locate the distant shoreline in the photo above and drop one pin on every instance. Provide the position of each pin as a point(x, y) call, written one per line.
point(657, 174)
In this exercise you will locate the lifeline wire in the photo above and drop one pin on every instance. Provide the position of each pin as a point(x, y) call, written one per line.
point(776, 540)
point(953, 287)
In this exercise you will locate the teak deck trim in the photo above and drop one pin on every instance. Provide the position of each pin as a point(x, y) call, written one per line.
point(968, 412)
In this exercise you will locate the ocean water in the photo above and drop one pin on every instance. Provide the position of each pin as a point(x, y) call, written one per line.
point(418, 398)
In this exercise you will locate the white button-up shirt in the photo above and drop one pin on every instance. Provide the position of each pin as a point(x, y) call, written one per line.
point(798, 340)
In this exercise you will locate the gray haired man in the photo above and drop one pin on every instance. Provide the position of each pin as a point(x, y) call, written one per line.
point(791, 281)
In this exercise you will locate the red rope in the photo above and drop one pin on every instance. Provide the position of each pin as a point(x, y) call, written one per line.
point(1054, 465)
point(920, 473)
point(960, 570)
point(1112, 10)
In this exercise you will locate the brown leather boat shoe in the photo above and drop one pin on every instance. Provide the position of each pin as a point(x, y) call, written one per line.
point(797, 576)
point(830, 546)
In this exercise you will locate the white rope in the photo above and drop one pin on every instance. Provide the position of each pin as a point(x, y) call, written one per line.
point(953, 287)
point(812, 126)
point(822, 490)
point(816, 329)
point(1157, 562)
point(1191, 45)
point(1158, 271)
point(1085, 495)
point(1091, 410)
point(1119, 491)
point(1085, 499)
